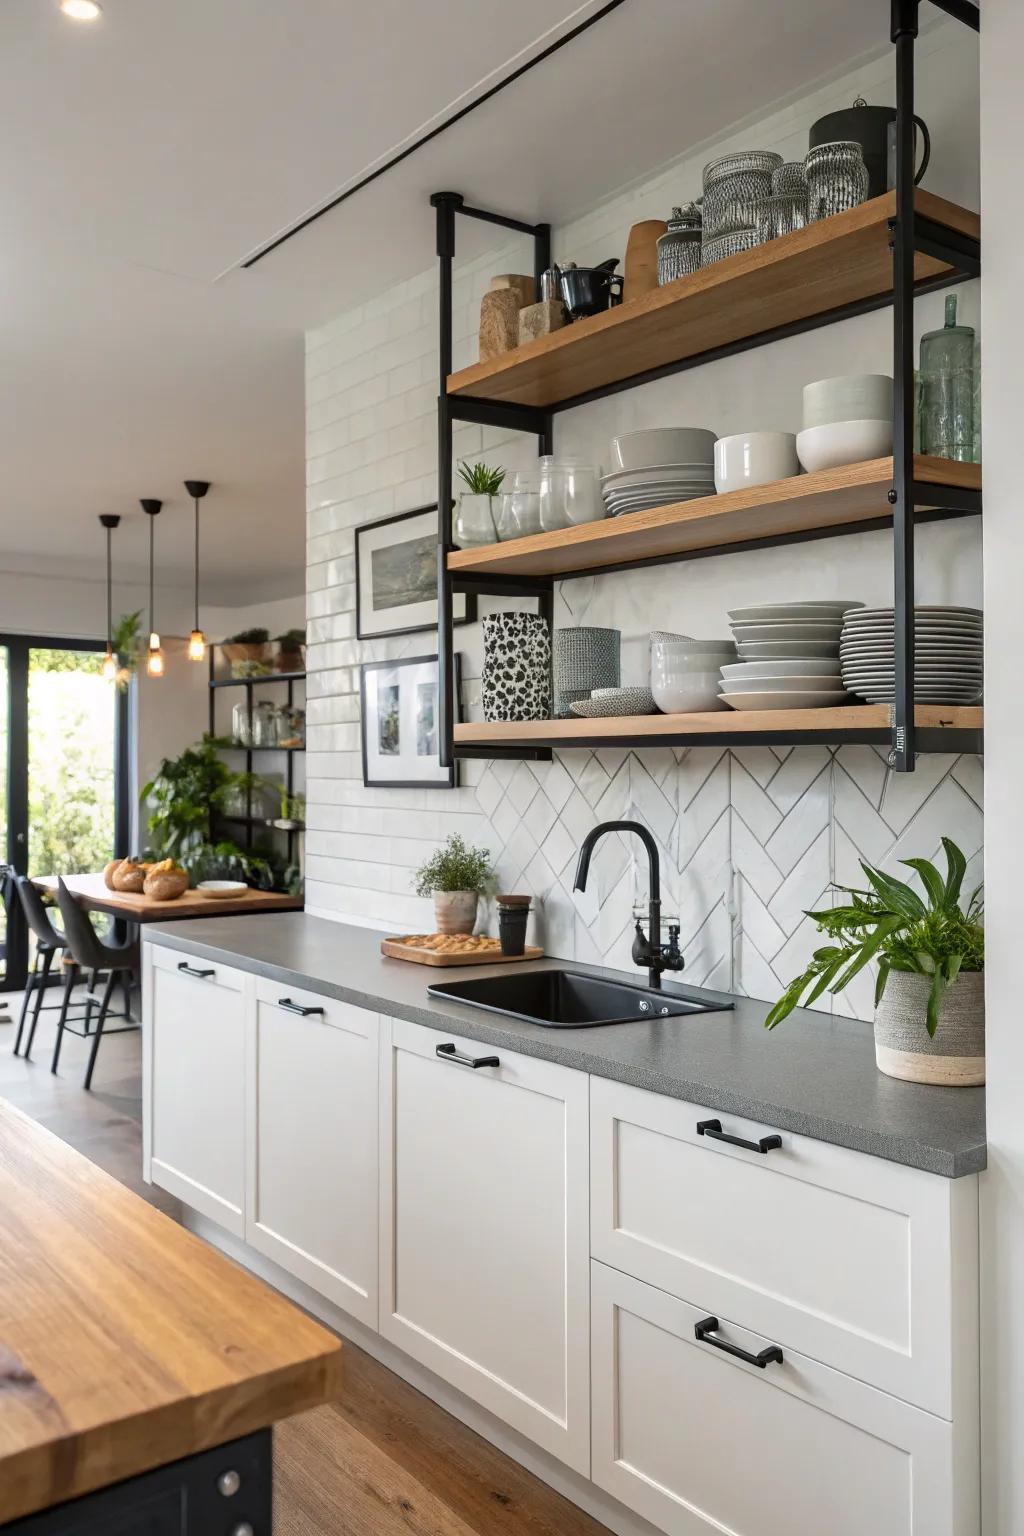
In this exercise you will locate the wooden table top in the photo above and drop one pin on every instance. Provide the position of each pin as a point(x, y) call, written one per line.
point(126, 1343)
point(91, 891)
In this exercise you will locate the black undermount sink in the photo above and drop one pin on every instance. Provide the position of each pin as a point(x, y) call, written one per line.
point(567, 999)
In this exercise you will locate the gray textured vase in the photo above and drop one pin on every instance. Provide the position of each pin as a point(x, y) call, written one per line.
point(955, 1054)
point(585, 659)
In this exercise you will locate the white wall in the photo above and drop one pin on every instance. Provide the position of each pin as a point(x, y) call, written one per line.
point(1002, 132)
point(748, 839)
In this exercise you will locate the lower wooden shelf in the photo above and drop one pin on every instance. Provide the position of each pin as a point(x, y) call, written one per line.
point(944, 728)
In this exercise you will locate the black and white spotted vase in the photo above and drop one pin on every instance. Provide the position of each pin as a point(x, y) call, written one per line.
point(517, 667)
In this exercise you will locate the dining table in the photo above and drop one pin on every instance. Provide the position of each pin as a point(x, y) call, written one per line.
point(92, 893)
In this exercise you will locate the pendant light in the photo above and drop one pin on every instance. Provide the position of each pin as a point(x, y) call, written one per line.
point(154, 656)
point(197, 489)
point(109, 521)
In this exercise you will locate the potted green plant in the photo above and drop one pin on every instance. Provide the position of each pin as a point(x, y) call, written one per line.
point(248, 652)
point(293, 811)
point(456, 876)
point(291, 650)
point(930, 952)
point(125, 645)
point(474, 517)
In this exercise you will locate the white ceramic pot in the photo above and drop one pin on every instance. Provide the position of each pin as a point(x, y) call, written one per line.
point(455, 911)
point(852, 397)
point(754, 458)
point(955, 1055)
point(843, 442)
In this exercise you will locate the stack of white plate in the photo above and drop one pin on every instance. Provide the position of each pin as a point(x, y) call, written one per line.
point(948, 660)
point(789, 656)
point(657, 466)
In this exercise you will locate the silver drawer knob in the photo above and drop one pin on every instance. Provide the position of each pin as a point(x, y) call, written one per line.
point(228, 1483)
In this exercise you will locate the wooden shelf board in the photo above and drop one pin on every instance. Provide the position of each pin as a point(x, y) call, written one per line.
point(840, 261)
point(640, 730)
point(831, 498)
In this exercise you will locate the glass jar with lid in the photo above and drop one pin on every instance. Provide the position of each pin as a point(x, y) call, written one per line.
point(569, 492)
point(679, 247)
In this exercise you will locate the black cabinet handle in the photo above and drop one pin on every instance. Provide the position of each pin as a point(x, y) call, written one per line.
point(193, 970)
point(290, 1007)
point(713, 1128)
point(705, 1330)
point(449, 1053)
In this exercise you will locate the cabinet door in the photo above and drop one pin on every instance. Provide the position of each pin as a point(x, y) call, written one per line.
point(311, 1187)
point(484, 1229)
point(194, 1018)
point(698, 1441)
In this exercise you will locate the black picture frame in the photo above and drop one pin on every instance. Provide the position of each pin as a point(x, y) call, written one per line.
point(366, 718)
point(467, 602)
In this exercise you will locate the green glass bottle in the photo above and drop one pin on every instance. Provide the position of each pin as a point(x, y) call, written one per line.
point(948, 389)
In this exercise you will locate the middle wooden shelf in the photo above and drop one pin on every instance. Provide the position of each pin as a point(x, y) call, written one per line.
point(803, 506)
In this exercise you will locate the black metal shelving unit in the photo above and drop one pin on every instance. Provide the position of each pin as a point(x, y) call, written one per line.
point(910, 233)
point(288, 679)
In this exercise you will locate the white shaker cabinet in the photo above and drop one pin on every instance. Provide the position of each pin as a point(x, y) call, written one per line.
point(484, 1230)
point(311, 1162)
point(194, 1082)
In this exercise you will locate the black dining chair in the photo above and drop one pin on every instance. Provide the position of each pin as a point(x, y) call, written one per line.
point(89, 953)
point(48, 944)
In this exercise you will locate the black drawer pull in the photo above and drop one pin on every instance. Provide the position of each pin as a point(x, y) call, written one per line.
point(290, 1007)
point(713, 1128)
point(449, 1053)
point(705, 1330)
point(193, 970)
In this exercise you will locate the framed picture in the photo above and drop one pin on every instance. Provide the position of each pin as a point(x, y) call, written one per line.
point(399, 724)
point(396, 577)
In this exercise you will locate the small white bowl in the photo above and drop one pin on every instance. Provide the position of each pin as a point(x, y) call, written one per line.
point(843, 442)
point(662, 445)
point(221, 890)
point(687, 693)
point(851, 397)
point(754, 458)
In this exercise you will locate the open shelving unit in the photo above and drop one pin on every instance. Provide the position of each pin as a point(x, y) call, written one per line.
point(250, 822)
point(885, 252)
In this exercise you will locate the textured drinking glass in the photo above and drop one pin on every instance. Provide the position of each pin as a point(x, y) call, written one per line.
point(837, 179)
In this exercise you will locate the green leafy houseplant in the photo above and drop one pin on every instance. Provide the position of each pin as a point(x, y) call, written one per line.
point(126, 646)
point(936, 936)
point(249, 637)
point(455, 867)
point(481, 479)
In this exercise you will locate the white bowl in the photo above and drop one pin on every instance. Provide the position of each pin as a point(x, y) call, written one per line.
point(663, 445)
point(221, 890)
point(803, 667)
point(851, 397)
point(682, 646)
point(754, 458)
point(788, 684)
point(843, 442)
point(686, 693)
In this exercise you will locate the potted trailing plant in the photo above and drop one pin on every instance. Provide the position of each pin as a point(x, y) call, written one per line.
point(930, 952)
point(125, 645)
point(248, 652)
point(291, 650)
point(474, 516)
point(456, 876)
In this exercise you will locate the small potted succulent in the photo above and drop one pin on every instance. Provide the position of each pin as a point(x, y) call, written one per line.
point(291, 650)
point(930, 952)
point(474, 517)
point(248, 652)
point(456, 876)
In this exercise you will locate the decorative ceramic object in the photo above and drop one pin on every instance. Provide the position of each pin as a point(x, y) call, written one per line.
point(734, 186)
point(516, 679)
point(608, 703)
point(584, 659)
point(779, 215)
point(679, 246)
point(955, 1054)
point(837, 179)
point(455, 911)
point(728, 245)
point(790, 180)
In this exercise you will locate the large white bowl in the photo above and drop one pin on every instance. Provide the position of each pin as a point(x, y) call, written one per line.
point(843, 442)
point(851, 397)
point(754, 458)
point(663, 445)
point(686, 693)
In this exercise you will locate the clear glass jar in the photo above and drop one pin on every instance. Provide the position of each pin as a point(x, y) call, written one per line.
point(837, 178)
point(264, 724)
point(519, 506)
point(569, 493)
point(241, 724)
point(474, 521)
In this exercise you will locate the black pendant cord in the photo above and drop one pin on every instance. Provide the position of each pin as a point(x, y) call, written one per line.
point(152, 621)
point(109, 521)
point(195, 564)
point(151, 507)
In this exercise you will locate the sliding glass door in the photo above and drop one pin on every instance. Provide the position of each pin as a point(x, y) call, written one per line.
point(65, 781)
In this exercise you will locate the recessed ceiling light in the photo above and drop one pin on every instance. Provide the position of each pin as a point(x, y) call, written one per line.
point(81, 10)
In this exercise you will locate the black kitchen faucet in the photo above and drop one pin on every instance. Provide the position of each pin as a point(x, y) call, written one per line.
point(647, 948)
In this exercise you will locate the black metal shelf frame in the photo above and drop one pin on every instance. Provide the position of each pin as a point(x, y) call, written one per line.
point(910, 233)
point(249, 821)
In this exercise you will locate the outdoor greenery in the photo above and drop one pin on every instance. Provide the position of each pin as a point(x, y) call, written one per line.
point(71, 762)
point(455, 867)
point(934, 937)
point(480, 479)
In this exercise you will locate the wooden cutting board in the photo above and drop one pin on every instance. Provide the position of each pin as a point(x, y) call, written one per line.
point(399, 951)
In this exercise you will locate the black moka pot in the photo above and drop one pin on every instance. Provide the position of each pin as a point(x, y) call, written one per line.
point(870, 128)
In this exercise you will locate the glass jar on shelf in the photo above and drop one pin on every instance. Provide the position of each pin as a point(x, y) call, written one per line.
point(265, 731)
point(519, 506)
point(569, 493)
point(948, 388)
point(291, 731)
point(241, 724)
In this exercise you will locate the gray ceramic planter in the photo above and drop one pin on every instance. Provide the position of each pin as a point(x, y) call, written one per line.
point(955, 1055)
point(455, 911)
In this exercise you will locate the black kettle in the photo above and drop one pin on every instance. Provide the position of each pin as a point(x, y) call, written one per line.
point(589, 290)
point(873, 128)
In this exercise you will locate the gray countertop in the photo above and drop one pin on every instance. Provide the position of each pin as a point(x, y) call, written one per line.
point(814, 1075)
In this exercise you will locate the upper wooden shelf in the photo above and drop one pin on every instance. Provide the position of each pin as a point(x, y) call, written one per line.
point(838, 262)
point(801, 505)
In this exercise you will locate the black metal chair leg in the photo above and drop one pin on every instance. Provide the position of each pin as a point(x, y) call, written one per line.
point(30, 986)
point(94, 977)
point(126, 984)
point(69, 987)
point(108, 993)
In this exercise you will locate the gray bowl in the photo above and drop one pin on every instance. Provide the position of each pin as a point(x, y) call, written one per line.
point(850, 397)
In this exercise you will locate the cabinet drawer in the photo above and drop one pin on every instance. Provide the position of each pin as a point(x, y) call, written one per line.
point(298, 1002)
point(196, 968)
point(866, 1265)
point(698, 1441)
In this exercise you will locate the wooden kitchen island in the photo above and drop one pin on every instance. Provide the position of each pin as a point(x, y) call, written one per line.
point(135, 1360)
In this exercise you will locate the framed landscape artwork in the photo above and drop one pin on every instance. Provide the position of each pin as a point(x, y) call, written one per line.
point(396, 576)
point(399, 724)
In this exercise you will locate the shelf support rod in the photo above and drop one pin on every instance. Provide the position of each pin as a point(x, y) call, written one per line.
point(445, 204)
point(904, 33)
